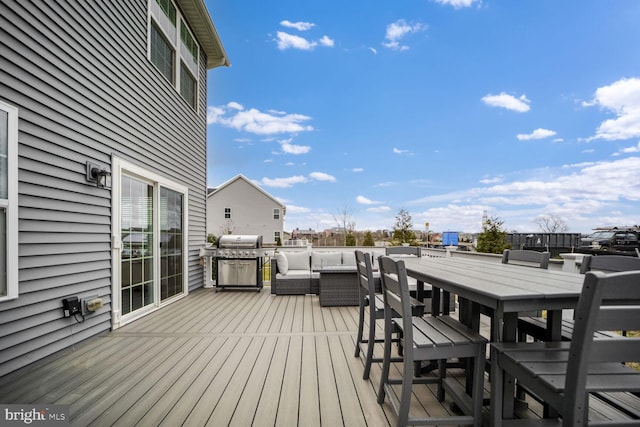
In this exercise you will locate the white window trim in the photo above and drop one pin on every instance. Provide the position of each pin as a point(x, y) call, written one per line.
point(11, 257)
point(181, 53)
point(118, 167)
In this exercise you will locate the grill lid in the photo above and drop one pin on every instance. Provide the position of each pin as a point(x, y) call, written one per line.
point(239, 241)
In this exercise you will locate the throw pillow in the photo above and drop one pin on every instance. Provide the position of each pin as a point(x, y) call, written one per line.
point(298, 260)
point(325, 259)
point(283, 264)
point(349, 258)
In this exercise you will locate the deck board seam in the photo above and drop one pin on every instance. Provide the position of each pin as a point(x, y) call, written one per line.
point(117, 335)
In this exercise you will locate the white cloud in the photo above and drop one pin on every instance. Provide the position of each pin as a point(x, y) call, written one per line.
point(283, 182)
point(326, 41)
point(493, 180)
point(458, 4)
point(571, 191)
point(601, 181)
point(255, 121)
point(397, 31)
point(289, 148)
point(375, 52)
point(459, 216)
point(321, 176)
point(399, 151)
point(623, 99)
point(633, 149)
point(290, 41)
point(300, 26)
point(357, 170)
point(536, 134)
point(510, 102)
point(364, 201)
point(297, 209)
point(381, 209)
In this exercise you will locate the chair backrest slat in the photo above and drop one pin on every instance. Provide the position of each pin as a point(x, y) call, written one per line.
point(609, 263)
point(525, 257)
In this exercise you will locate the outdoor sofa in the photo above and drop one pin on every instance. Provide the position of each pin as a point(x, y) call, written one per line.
point(298, 272)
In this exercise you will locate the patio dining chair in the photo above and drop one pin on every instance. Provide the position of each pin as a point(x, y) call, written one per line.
point(536, 327)
point(564, 374)
point(371, 298)
point(424, 339)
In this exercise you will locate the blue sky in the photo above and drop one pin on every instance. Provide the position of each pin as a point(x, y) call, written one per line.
point(446, 108)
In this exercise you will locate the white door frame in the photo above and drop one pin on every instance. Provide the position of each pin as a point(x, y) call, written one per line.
point(119, 167)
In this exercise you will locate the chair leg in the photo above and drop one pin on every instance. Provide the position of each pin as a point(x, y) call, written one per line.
point(386, 360)
point(405, 394)
point(497, 392)
point(478, 386)
point(370, 345)
point(360, 328)
point(442, 373)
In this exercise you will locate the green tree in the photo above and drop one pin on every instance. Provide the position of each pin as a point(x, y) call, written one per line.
point(350, 239)
point(211, 238)
point(402, 229)
point(368, 239)
point(493, 238)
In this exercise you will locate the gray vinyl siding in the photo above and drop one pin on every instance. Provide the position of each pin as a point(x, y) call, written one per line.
point(79, 75)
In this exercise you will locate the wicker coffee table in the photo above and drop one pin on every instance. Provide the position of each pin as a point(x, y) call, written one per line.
point(339, 286)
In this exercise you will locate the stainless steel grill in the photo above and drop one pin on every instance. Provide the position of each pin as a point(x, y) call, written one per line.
point(239, 261)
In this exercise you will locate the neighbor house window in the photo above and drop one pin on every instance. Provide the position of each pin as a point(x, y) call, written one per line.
point(276, 236)
point(8, 201)
point(173, 49)
point(227, 213)
point(276, 213)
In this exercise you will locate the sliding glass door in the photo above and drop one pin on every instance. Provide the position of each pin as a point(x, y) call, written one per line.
point(137, 256)
point(151, 231)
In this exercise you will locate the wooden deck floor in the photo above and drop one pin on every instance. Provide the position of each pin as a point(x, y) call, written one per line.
point(226, 358)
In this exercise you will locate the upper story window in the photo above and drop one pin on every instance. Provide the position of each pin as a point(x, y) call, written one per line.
point(8, 202)
point(173, 49)
point(187, 85)
point(162, 55)
point(276, 213)
point(169, 10)
point(227, 213)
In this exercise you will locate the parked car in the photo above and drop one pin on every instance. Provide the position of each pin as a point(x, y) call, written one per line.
point(611, 241)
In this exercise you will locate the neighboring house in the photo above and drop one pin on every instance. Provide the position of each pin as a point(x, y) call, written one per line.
point(102, 164)
point(241, 207)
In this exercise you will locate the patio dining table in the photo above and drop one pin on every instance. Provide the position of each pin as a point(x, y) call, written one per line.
point(505, 288)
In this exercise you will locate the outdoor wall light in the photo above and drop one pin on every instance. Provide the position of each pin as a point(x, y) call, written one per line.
point(97, 174)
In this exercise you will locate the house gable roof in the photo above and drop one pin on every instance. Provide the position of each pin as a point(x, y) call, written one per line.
point(201, 24)
point(248, 181)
